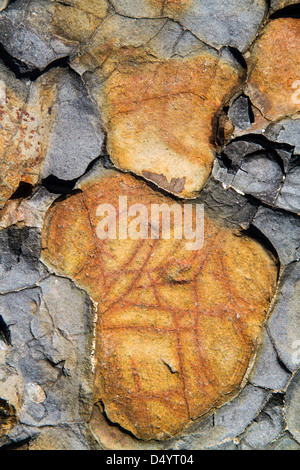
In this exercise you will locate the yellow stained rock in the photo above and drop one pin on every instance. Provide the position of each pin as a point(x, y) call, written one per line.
point(177, 329)
point(160, 100)
point(274, 70)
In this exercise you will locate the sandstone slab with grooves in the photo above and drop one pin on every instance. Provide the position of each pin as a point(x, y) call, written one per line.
point(176, 329)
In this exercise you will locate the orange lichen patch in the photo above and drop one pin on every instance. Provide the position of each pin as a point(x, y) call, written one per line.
point(176, 329)
point(170, 7)
point(161, 115)
point(275, 69)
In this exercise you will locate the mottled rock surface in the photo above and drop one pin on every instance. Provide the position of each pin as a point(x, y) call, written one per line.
point(156, 297)
point(159, 101)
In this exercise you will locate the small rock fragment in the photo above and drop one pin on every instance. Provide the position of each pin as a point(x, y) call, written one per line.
point(267, 371)
point(268, 425)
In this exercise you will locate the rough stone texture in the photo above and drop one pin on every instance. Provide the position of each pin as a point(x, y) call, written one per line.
point(292, 407)
point(284, 323)
point(37, 139)
point(72, 147)
point(164, 337)
point(274, 69)
point(46, 374)
point(268, 426)
point(279, 4)
point(158, 128)
point(268, 372)
point(231, 23)
point(26, 33)
point(175, 68)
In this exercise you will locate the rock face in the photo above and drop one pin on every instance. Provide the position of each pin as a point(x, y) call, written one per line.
point(37, 140)
point(159, 128)
point(271, 89)
point(149, 224)
point(162, 331)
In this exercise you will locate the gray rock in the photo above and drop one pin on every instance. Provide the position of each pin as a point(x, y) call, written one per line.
point(259, 175)
point(292, 407)
point(231, 23)
point(283, 232)
point(25, 32)
point(266, 428)
point(227, 423)
point(267, 371)
point(223, 202)
point(289, 196)
point(240, 113)
point(19, 259)
point(284, 442)
point(284, 324)
point(45, 367)
point(77, 136)
point(286, 131)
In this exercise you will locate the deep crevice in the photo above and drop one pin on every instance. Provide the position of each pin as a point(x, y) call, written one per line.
point(58, 186)
point(24, 190)
point(292, 11)
point(23, 71)
point(5, 335)
point(254, 233)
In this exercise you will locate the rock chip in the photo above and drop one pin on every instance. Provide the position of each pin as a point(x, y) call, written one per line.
point(268, 425)
point(268, 372)
point(172, 332)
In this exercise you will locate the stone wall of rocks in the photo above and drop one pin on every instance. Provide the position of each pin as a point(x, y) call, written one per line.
point(140, 344)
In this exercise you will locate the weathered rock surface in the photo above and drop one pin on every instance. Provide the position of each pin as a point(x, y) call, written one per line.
point(37, 139)
point(172, 333)
point(292, 407)
point(158, 128)
point(26, 34)
point(161, 328)
point(279, 4)
point(273, 78)
point(232, 23)
point(267, 427)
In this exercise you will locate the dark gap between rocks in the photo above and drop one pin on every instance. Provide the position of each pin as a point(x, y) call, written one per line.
point(24, 190)
point(292, 11)
point(23, 71)
point(5, 335)
point(59, 186)
point(254, 233)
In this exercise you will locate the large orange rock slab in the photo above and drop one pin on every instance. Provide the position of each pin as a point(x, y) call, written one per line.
point(160, 93)
point(273, 83)
point(177, 329)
